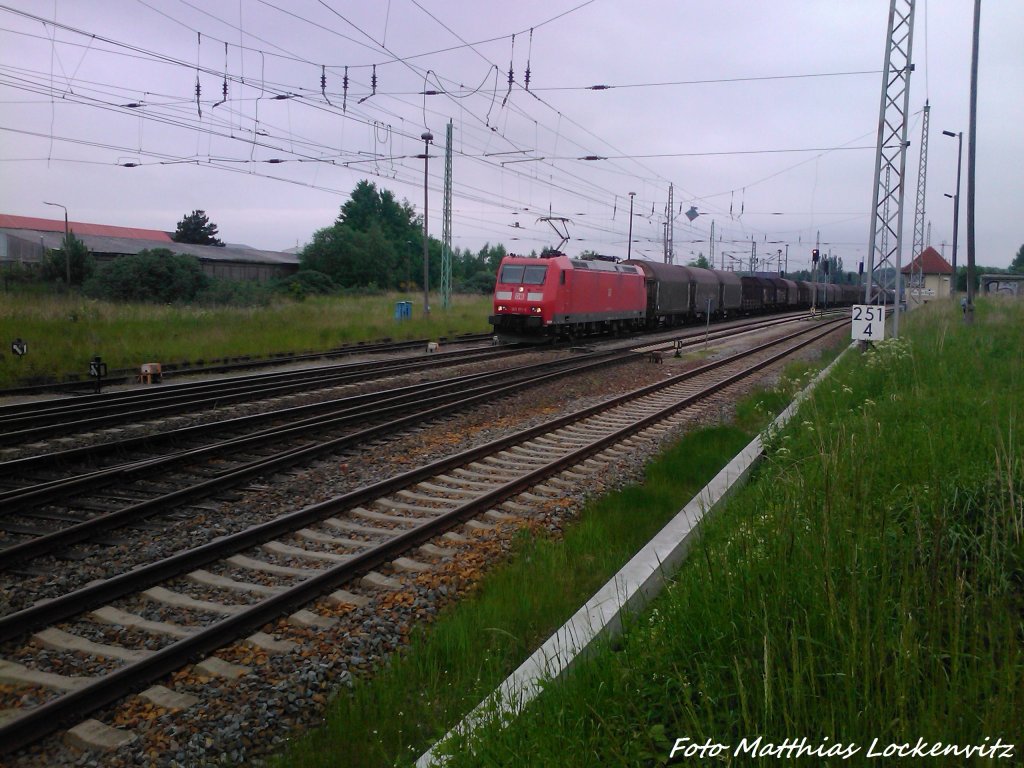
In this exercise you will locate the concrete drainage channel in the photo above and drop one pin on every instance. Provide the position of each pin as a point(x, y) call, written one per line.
point(631, 589)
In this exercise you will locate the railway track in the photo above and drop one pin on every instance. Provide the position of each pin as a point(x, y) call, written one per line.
point(24, 423)
point(245, 362)
point(50, 508)
point(234, 585)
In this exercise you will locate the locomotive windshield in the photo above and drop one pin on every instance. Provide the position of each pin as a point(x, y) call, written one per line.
point(523, 274)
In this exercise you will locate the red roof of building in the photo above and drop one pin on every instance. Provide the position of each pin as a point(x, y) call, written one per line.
point(929, 262)
point(81, 228)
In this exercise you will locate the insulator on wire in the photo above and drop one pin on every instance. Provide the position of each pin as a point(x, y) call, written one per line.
point(323, 83)
point(199, 45)
point(224, 83)
point(373, 85)
point(528, 54)
point(511, 72)
point(344, 91)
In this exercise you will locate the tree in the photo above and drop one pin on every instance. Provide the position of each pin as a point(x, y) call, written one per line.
point(153, 276)
point(197, 229)
point(375, 242)
point(368, 206)
point(55, 263)
point(1017, 265)
point(700, 261)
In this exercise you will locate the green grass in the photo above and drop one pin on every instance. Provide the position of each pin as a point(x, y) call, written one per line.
point(65, 332)
point(869, 583)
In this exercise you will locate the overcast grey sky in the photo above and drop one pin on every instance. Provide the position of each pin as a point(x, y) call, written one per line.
point(776, 148)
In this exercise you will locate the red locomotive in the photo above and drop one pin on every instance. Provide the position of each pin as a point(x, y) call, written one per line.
point(556, 295)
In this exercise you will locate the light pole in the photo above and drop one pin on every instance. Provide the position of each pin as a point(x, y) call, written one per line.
point(629, 244)
point(408, 265)
point(956, 204)
point(427, 137)
point(67, 245)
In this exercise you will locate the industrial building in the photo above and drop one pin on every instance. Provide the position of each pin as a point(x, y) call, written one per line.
point(25, 240)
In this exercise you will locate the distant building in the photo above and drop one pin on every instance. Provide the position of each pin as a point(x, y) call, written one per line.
point(25, 240)
point(927, 277)
point(1003, 285)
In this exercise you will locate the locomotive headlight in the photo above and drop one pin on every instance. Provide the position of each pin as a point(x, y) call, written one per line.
point(536, 310)
point(502, 308)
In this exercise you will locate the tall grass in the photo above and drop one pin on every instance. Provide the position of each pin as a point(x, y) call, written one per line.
point(869, 584)
point(65, 332)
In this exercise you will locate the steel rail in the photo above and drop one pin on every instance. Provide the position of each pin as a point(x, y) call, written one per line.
point(109, 400)
point(127, 375)
point(24, 464)
point(18, 553)
point(55, 423)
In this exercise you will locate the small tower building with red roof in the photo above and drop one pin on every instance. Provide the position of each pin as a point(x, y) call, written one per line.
point(927, 277)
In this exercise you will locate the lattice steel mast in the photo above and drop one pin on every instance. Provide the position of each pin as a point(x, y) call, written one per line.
point(891, 156)
point(917, 278)
point(446, 227)
point(669, 229)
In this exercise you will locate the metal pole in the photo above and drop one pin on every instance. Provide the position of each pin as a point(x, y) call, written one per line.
point(629, 244)
point(956, 203)
point(427, 137)
point(67, 245)
point(971, 165)
point(707, 323)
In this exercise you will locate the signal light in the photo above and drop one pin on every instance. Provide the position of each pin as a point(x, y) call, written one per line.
point(814, 255)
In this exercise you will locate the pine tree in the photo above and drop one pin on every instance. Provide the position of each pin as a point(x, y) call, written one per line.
point(196, 228)
point(1017, 265)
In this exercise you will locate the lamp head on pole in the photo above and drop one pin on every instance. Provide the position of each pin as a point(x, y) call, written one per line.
point(427, 136)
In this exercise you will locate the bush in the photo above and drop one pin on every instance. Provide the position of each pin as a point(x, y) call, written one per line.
point(55, 263)
point(231, 293)
point(304, 283)
point(481, 282)
point(157, 276)
point(15, 273)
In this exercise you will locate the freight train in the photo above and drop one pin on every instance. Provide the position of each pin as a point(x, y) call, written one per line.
point(558, 296)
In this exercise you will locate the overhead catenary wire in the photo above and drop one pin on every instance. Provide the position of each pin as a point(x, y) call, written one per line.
point(305, 95)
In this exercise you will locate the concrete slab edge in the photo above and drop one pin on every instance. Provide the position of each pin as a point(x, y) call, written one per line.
point(629, 591)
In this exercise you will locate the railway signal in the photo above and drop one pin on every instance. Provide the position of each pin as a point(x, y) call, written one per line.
point(97, 370)
point(19, 347)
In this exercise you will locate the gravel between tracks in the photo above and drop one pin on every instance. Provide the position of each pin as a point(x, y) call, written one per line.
point(237, 721)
